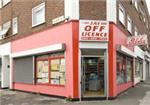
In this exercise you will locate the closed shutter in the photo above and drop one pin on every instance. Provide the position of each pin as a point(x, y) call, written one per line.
point(23, 70)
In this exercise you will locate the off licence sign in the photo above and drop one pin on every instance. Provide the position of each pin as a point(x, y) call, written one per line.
point(93, 30)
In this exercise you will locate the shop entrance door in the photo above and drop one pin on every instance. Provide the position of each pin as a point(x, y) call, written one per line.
point(93, 76)
point(5, 72)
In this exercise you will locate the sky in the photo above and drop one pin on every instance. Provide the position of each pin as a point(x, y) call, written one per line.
point(148, 5)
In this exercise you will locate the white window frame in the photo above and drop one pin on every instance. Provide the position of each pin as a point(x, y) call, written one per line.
point(15, 25)
point(0, 3)
point(142, 14)
point(135, 31)
point(4, 29)
point(5, 2)
point(0, 27)
point(135, 3)
point(35, 10)
point(147, 25)
point(0, 32)
point(144, 19)
point(122, 14)
point(129, 24)
point(6, 25)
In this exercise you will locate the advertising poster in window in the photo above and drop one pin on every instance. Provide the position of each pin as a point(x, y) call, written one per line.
point(42, 71)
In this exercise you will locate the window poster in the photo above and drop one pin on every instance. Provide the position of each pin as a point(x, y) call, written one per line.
point(42, 71)
point(55, 64)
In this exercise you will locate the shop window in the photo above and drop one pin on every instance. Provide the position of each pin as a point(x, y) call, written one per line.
point(124, 68)
point(129, 69)
point(141, 69)
point(121, 14)
point(137, 68)
point(57, 71)
point(51, 69)
point(121, 69)
point(38, 15)
point(129, 24)
point(42, 71)
point(15, 25)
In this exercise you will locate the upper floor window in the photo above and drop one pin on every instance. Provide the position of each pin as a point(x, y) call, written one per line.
point(121, 14)
point(135, 2)
point(6, 25)
point(142, 14)
point(144, 19)
point(4, 2)
point(15, 25)
point(147, 25)
point(0, 3)
point(129, 24)
point(135, 31)
point(38, 14)
point(4, 29)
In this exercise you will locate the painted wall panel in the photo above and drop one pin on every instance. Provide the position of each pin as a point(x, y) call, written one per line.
point(5, 49)
point(58, 34)
point(117, 38)
point(72, 9)
point(50, 90)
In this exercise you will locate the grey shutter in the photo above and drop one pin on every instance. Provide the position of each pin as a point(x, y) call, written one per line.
point(23, 70)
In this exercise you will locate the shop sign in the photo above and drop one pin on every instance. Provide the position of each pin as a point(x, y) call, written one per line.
point(93, 30)
point(58, 19)
point(137, 40)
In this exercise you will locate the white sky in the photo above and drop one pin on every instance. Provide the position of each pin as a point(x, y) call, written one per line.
point(148, 5)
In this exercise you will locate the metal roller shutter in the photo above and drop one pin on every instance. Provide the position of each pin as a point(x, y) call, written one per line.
point(23, 70)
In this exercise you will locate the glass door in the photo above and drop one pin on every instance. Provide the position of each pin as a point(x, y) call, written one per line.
point(93, 83)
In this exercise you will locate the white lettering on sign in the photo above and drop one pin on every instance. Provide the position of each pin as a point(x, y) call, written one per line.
point(137, 40)
point(93, 30)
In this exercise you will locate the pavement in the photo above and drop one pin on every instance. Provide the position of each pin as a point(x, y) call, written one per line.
point(139, 95)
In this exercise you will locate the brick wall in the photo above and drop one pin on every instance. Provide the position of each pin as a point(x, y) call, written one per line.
point(23, 10)
point(88, 9)
point(135, 16)
point(93, 9)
